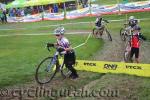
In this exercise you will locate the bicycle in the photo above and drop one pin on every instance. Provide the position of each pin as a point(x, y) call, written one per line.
point(49, 66)
point(124, 32)
point(127, 51)
point(99, 32)
point(126, 36)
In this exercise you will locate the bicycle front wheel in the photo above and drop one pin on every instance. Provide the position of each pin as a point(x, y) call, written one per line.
point(46, 70)
point(122, 34)
point(108, 34)
point(95, 32)
point(126, 56)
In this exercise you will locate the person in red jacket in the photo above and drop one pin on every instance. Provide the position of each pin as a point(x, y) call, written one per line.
point(135, 43)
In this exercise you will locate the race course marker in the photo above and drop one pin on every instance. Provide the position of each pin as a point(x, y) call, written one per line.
point(114, 67)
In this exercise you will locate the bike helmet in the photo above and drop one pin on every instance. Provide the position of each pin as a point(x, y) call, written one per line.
point(59, 31)
point(131, 17)
point(137, 28)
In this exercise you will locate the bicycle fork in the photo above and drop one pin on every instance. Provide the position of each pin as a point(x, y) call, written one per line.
point(52, 62)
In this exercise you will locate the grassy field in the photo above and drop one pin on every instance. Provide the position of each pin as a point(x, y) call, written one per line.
point(20, 54)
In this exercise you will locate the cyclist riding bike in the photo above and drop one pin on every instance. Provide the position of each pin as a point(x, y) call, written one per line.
point(63, 45)
point(135, 43)
point(99, 23)
point(132, 22)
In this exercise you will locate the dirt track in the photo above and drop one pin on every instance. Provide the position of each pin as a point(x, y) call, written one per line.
point(113, 51)
point(145, 54)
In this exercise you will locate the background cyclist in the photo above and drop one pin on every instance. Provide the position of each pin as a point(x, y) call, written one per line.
point(99, 24)
point(131, 22)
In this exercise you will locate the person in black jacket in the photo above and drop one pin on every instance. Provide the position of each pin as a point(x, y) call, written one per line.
point(5, 16)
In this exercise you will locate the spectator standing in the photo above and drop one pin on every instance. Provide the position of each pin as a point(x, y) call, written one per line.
point(5, 16)
point(1, 15)
point(18, 12)
point(55, 8)
point(14, 12)
point(50, 9)
point(11, 12)
point(22, 12)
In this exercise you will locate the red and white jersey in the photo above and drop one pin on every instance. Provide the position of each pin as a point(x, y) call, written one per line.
point(135, 41)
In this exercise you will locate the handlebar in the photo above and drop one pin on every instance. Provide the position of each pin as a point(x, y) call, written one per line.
point(49, 45)
point(105, 20)
point(141, 37)
point(58, 48)
point(126, 24)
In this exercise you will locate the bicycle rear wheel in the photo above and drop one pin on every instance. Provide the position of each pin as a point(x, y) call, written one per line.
point(95, 32)
point(65, 72)
point(122, 34)
point(108, 34)
point(126, 56)
point(46, 70)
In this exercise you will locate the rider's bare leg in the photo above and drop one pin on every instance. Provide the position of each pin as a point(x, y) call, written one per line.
point(131, 55)
point(137, 60)
point(98, 32)
point(94, 35)
point(131, 60)
point(101, 32)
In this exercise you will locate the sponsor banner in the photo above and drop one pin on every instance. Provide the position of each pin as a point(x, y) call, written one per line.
point(78, 13)
point(114, 67)
point(53, 16)
point(110, 9)
point(93, 11)
point(15, 19)
point(37, 17)
point(33, 18)
point(28, 18)
point(135, 6)
point(105, 9)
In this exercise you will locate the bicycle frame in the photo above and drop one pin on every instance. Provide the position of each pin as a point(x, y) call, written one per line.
point(55, 58)
point(51, 66)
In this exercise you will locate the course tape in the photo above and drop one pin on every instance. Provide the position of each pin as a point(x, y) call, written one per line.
point(38, 34)
point(85, 42)
point(114, 67)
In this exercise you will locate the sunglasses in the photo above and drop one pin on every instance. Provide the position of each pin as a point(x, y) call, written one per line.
point(57, 35)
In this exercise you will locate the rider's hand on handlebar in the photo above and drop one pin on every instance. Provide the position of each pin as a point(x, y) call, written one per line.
point(60, 49)
point(50, 45)
point(106, 21)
